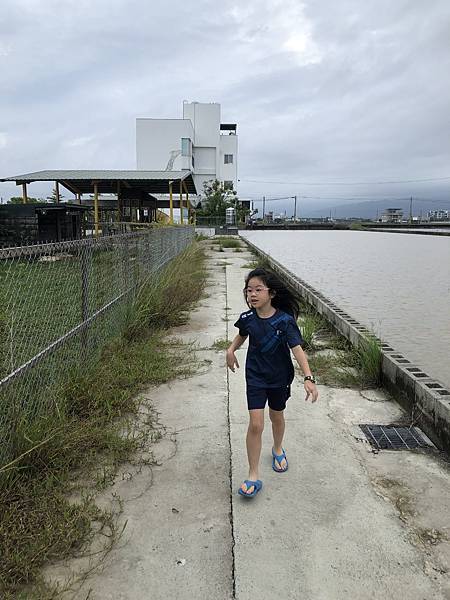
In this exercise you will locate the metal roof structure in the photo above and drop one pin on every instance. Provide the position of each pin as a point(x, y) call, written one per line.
point(108, 181)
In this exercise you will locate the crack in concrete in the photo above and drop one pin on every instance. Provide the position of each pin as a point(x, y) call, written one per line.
point(233, 540)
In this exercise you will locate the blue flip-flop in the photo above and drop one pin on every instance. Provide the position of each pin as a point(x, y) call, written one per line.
point(279, 458)
point(257, 485)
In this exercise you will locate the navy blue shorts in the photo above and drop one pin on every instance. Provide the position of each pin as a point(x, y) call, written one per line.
point(257, 397)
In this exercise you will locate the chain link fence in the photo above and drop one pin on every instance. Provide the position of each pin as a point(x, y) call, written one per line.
point(59, 305)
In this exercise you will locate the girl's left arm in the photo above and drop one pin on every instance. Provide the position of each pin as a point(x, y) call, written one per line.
point(310, 387)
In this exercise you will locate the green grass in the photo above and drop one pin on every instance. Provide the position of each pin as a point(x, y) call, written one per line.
point(335, 371)
point(40, 301)
point(93, 430)
point(165, 300)
point(369, 357)
point(221, 344)
point(310, 323)
point(257, 263)
point(349, 366)
point(227, 242)
point(200, 237)
point(254, 264)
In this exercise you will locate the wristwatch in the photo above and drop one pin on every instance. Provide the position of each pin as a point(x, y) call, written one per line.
point(309, 378)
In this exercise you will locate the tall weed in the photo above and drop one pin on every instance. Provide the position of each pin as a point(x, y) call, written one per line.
point(38, 523)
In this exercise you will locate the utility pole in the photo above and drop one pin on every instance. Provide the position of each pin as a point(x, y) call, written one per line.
point(410, 211)
point(264, 207)
point(295, 209)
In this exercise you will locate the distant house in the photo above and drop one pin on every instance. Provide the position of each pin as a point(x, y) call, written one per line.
point(438, 215)
point(392, 215)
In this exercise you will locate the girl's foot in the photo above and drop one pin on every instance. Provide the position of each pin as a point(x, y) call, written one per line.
point(250, 488)
point(279, 460)
point(247, 487)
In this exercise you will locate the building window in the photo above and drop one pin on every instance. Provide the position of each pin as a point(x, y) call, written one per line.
point(228, 185)
point(228, 159)
point(186, 147)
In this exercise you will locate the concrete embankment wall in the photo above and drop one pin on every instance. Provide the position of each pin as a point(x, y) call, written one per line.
point(441, 233)
point(426, 399)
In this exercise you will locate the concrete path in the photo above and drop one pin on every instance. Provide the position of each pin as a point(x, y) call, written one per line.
point(342, 523)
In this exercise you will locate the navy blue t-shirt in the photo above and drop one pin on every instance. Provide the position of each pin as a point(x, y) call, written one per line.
point(269, 362)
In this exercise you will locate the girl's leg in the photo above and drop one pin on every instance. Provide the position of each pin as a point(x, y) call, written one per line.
point(278, 427)
point(254, 433)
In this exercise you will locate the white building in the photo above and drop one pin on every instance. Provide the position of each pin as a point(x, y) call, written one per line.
point(392, 215)
point(438, 215)
point(198, 142)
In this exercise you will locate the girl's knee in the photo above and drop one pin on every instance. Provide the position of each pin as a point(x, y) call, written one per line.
point(256, 426)
point(276, 416)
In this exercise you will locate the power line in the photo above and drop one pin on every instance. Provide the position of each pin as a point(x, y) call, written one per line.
point(281, 198)
point(258, 198)
point(424, 180)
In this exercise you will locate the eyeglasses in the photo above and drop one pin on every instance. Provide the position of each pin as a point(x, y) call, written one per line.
point(257, 290)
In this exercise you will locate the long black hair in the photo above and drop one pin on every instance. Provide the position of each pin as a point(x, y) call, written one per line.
point(283, 298)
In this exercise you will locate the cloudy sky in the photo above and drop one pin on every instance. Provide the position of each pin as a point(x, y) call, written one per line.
point(331, 98)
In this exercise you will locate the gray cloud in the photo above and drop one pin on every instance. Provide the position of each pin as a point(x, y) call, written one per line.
point(321, 91)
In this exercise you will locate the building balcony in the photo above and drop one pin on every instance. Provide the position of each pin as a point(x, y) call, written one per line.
point(228, 128)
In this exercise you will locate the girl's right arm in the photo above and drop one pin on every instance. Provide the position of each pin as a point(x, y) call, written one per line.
point(231, 357)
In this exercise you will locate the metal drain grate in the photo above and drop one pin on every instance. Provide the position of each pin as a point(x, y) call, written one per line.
point(388, 437)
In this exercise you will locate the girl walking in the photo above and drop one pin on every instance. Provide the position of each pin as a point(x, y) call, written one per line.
point(271, 325)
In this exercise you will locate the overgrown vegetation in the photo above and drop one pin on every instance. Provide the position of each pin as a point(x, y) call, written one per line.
point(163, 300)
point(336, 369)
point(331, 356)
point(94, 431)
point(257, 263)
point(338, 363)
point(227, 242)
point(311, 323)
point(356, 226)
point(200, 237)
point(221, 344)
point(251, 265)
point(369, 358)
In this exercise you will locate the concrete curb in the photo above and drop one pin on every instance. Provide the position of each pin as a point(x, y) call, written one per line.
point(427, 399)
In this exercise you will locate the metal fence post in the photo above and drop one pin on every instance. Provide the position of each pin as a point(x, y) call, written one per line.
point(126, 269)
point(84, 264)
point(88, 291)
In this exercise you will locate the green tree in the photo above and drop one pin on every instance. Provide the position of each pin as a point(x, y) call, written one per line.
point(217, 197)
point(53, 198)
point(241, 211)
point(19, 200)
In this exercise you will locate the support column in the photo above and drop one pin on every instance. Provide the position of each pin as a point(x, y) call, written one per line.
point(181, 202)
point(187, 203)
point(96, 209)
point(170, 204)
point(24, 193)
point(57, 192)
point(119, 202)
